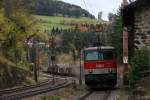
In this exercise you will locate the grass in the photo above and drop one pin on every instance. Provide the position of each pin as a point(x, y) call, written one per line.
point(58, 20)
point(52, 98)
point(44, 24)
point(48, 22)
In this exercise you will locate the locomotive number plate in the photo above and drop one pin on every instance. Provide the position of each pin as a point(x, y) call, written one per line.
point(99, 65)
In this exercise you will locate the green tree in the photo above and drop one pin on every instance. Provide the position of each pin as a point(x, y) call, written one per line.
point(140, 62)
point(115, 36)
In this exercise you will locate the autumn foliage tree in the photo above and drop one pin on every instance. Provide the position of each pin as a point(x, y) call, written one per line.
point(16, 24)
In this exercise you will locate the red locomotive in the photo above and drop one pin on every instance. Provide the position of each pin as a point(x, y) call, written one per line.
point(100, 66)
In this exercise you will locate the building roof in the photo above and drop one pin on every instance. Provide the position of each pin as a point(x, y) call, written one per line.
point(101, 47)
point(128, 11)
point(137, 3)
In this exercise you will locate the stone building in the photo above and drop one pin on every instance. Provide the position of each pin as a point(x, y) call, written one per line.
point(136, 17)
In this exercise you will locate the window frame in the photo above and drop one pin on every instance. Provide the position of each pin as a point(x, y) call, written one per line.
point(102, 51)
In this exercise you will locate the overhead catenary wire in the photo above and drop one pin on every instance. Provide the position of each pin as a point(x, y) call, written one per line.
point(100, 39)
point(85, 5)
point(87, 8)
point(90, 6)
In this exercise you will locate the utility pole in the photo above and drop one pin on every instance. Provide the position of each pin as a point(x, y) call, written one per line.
point(125, 54)
point(35, 60)
point(80, 50)
point(125, 48)
point(100, 39)
point(80, 79)
point(52, 46)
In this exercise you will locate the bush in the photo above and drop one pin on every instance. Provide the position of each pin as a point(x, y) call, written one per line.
point(140, 62)
point(29, 66)
point(10, 75)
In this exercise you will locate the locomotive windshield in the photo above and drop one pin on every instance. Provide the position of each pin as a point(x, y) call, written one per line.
point(91, 55)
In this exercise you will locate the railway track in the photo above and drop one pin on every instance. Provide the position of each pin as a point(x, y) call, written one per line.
point(6, 91)
point(35, 90)
point(11, 90)
point(96, 95)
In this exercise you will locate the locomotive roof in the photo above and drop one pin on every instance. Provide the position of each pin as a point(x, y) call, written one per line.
point(101, 47)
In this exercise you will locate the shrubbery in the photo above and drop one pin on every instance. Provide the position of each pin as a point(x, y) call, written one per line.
point(140, 62)
point(10, 75)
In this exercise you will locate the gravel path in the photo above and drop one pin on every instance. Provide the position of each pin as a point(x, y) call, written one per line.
point(98, 95)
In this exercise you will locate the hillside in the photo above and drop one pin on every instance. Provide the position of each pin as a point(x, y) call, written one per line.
point(48, 22)
point(58, 8)
point(44, 24)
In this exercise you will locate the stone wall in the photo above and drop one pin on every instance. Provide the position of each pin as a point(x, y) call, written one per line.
point(142, 28)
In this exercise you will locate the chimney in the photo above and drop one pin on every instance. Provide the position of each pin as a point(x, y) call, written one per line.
point(124, 3)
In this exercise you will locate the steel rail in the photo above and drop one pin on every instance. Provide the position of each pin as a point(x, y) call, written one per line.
point(25, 87)
point(11, 90)
point(107, 95)
point(84, 97)
point(35, 91)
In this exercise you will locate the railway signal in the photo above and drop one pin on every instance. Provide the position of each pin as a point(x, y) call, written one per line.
point(52, 42)
point(99, 41)
point(33, 51)
point(52, 46)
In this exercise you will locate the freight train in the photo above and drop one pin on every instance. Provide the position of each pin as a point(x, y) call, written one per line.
point(58, 70)
point(100, 66)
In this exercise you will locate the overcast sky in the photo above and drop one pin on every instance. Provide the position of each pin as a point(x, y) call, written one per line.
point(95, 6)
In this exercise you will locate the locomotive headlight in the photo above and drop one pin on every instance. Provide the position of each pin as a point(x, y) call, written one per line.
point(90, 71)
point(110, 70)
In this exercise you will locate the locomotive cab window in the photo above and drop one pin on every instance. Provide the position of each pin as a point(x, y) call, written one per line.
point(108, 55)
point(91, 55)
point(97, 55)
